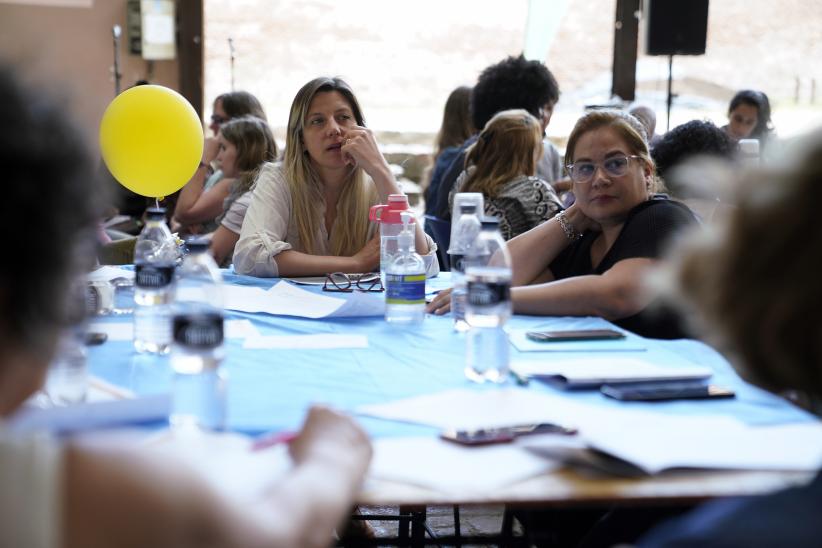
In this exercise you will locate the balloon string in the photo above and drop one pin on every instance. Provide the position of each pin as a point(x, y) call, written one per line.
point(157, 201)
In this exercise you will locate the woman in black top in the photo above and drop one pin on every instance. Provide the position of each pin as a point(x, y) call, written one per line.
point(591, 259)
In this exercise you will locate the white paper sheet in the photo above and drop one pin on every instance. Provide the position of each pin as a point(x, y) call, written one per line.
point(225, 461)
point(285, 299)
point(522, 343)
point(309, 342)
point(124, 331)
point(657, 443)
point(450, 468)
point(597, 371)
point(465, 409)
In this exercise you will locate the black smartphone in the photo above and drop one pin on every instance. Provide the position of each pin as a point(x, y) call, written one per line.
point(665, 391)
point(93, 339)
point(575, 335)
point(486, 436)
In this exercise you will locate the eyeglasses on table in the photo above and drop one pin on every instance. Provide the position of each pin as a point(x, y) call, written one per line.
point(346, 283)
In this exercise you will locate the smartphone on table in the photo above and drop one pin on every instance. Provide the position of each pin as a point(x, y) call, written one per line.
point(665, 391)
point(575, 335)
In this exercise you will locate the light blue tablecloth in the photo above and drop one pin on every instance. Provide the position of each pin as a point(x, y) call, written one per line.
point(271, 389)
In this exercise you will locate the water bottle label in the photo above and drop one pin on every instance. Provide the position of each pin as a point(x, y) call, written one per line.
point(203, 331)
point(488, 294)
point(150, 276)
point(405, 288)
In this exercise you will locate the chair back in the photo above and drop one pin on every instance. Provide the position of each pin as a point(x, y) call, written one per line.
point(440, 231)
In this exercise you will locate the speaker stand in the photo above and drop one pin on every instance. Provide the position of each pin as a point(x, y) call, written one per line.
point(670, 85)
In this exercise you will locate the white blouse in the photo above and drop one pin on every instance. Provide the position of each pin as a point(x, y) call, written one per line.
point(30, 498)
point(269, 228)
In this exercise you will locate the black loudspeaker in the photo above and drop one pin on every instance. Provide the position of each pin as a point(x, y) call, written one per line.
point(676, 27)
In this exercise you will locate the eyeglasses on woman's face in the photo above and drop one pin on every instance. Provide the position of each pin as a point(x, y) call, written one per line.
point(615, 166)
point(342, 282)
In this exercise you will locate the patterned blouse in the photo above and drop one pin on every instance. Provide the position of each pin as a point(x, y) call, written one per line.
point(520, 205)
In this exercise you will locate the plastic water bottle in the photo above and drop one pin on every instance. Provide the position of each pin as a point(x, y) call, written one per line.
point(466, 231)
point(488, 307)
point(388, 215)
point(154, 256)
point(199, 390)
point(405, 279)
point(749, 153)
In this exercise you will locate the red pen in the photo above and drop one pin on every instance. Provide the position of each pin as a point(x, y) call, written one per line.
point(269, 440)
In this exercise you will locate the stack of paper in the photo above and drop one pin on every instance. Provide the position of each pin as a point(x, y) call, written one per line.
point(285, 299)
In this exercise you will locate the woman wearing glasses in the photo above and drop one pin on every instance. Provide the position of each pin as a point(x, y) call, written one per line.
point(201, 199)
point(309, 214)
point(590, 260)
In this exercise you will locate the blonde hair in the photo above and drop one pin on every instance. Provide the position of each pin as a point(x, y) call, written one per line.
point(628, 127)
point(350, 231)
point(507, 148)
point(755, 285)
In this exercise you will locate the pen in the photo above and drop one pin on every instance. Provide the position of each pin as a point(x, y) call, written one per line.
point(275, 438)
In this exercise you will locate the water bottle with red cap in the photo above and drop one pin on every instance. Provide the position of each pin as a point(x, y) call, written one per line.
point(390, 219)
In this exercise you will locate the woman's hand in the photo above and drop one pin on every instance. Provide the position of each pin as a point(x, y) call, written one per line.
point(328, 435)
point(360, 149)
point(441, 303)
point(367, 259)
point(211, 147)
point(580, 221)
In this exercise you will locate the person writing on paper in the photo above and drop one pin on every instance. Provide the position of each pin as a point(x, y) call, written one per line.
point(245, 144)
point(752, 287)
point(68, 494)
point(309, 214)
point(591, 259)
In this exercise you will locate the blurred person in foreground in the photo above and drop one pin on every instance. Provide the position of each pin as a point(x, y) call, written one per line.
point(67, 494)
point(592, 259)
point(754, 284)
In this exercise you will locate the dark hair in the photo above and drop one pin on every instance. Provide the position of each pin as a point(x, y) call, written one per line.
point(694, 138)
point(512, 83)
point(456, 120)
point(241, 103)
point(50, 203)
point(760, 101)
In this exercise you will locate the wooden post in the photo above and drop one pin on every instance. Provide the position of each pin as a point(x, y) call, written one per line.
point(190, 25)
point(626, 32)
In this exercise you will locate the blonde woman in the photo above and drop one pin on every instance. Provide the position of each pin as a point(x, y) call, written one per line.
point(309, 214)
point(245, 144)
point(502, 165)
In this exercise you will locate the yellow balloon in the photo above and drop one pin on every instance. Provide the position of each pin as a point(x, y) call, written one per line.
point(152, 140)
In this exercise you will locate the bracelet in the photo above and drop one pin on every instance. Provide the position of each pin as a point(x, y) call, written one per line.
point(569, 230)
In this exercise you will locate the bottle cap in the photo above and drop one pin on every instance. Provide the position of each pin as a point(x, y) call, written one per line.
point(490, 223)
point(197, 244)
point(397, 198)
point(749, 147)
point(156, 213)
